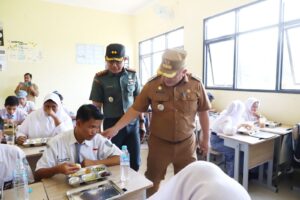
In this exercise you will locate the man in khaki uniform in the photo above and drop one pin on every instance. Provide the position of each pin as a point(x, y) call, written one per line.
point(175, 97)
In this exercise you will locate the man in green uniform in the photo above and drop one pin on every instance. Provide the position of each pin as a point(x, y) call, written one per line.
point(114, 91)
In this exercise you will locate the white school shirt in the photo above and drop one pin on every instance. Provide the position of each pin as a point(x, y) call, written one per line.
point(29, 107)
point(8, 159)
point(61, 148)
point(37, 125)
point(201, 180)
point(19, 115)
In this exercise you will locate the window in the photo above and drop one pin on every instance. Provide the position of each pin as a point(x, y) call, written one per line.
point(254, 47)
point(151, 51)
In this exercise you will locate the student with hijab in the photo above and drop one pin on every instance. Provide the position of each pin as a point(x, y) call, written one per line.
point(47, 121)
point(251, 114)
point(227, 123)
point(209, 183)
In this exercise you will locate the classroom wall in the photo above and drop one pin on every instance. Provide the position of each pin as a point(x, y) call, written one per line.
point(57, 29)
point(283, 108)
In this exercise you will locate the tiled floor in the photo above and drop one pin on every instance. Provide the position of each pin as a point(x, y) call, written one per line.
point(256, 192)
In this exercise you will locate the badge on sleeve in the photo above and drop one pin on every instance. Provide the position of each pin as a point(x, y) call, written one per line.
point(110, 99)
point(160, 107)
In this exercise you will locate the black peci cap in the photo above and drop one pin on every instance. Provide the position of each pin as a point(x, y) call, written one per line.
point(115, 52)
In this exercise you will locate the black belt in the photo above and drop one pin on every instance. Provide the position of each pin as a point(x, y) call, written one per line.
point(213, 133)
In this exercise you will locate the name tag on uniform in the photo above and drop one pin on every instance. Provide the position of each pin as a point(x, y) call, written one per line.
point(63, 159)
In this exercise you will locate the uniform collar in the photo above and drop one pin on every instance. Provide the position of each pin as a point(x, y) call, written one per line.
point(72, 140)
point(185, 79)
point(124, 71)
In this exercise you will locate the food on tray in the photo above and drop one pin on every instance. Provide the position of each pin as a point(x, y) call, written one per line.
point(87, 174)
point(35, 142)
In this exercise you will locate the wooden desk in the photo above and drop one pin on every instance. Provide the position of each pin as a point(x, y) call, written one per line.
point(33, 154)
point(56, 187)
point(283, 148)
point(38, 192)
point(256, 153)
point(33, 151)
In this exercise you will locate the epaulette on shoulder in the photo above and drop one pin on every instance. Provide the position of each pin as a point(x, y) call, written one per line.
point(154, 78)
point(195, 77)
point(131, 70)
point(102, 73)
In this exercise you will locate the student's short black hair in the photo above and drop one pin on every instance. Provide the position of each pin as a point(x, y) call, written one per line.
point(87, 112)
point(11, 101)
point(28, 74)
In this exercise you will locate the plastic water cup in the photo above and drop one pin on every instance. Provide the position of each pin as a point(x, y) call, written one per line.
point(10, 139)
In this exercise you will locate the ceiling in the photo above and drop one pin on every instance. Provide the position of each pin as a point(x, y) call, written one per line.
point(117, 6)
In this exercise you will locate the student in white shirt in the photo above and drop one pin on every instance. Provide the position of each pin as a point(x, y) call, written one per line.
point(227, 123)
point(251, 107)
point(82, 145)
point(8, 159)
point(47, 121)
point(201, 180)
point(11, 113)
point(26, 106)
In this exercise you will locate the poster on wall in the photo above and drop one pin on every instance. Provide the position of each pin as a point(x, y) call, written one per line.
point(90, 54)
point(23, 51)
point(2, 50)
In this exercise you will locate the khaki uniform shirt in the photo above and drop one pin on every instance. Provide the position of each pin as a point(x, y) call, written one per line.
point(173, 108)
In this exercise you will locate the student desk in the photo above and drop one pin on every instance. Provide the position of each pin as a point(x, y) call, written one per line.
point(56, 187)
point(33, 154)
point(283, 147)
point(256, 153)
point(38, 192)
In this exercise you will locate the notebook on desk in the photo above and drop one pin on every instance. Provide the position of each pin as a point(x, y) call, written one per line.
point(255, 133)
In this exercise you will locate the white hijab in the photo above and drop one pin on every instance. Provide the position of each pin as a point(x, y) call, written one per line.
point(201, 180)
point(230, 118)
point(248, 115)
point(38, 124)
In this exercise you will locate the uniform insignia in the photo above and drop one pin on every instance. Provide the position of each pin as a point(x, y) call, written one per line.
point(101, 73)
point(131, 70)
point(110, 99)
point(154, 77)
point(108, 143)
point(160, 107)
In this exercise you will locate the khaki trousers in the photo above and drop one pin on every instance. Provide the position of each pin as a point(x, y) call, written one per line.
point(162, 153)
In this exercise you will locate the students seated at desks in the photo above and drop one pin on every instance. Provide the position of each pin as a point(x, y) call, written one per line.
point(11, 113)
point(70, 113)
point(26, 106)
point(201, 181)
point(47, 121)
point(82, 145)
point(227, 123)
point(251, 107)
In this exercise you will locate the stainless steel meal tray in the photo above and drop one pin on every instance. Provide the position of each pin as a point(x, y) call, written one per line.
point(104, 190)
point(88, 174)
point(35, 142)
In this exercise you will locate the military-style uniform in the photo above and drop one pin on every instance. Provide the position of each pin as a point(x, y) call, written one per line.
point(117, 93)
point(172, 138)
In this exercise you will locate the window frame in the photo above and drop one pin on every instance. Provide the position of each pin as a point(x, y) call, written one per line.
point(281, 26)
point(152, 53)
